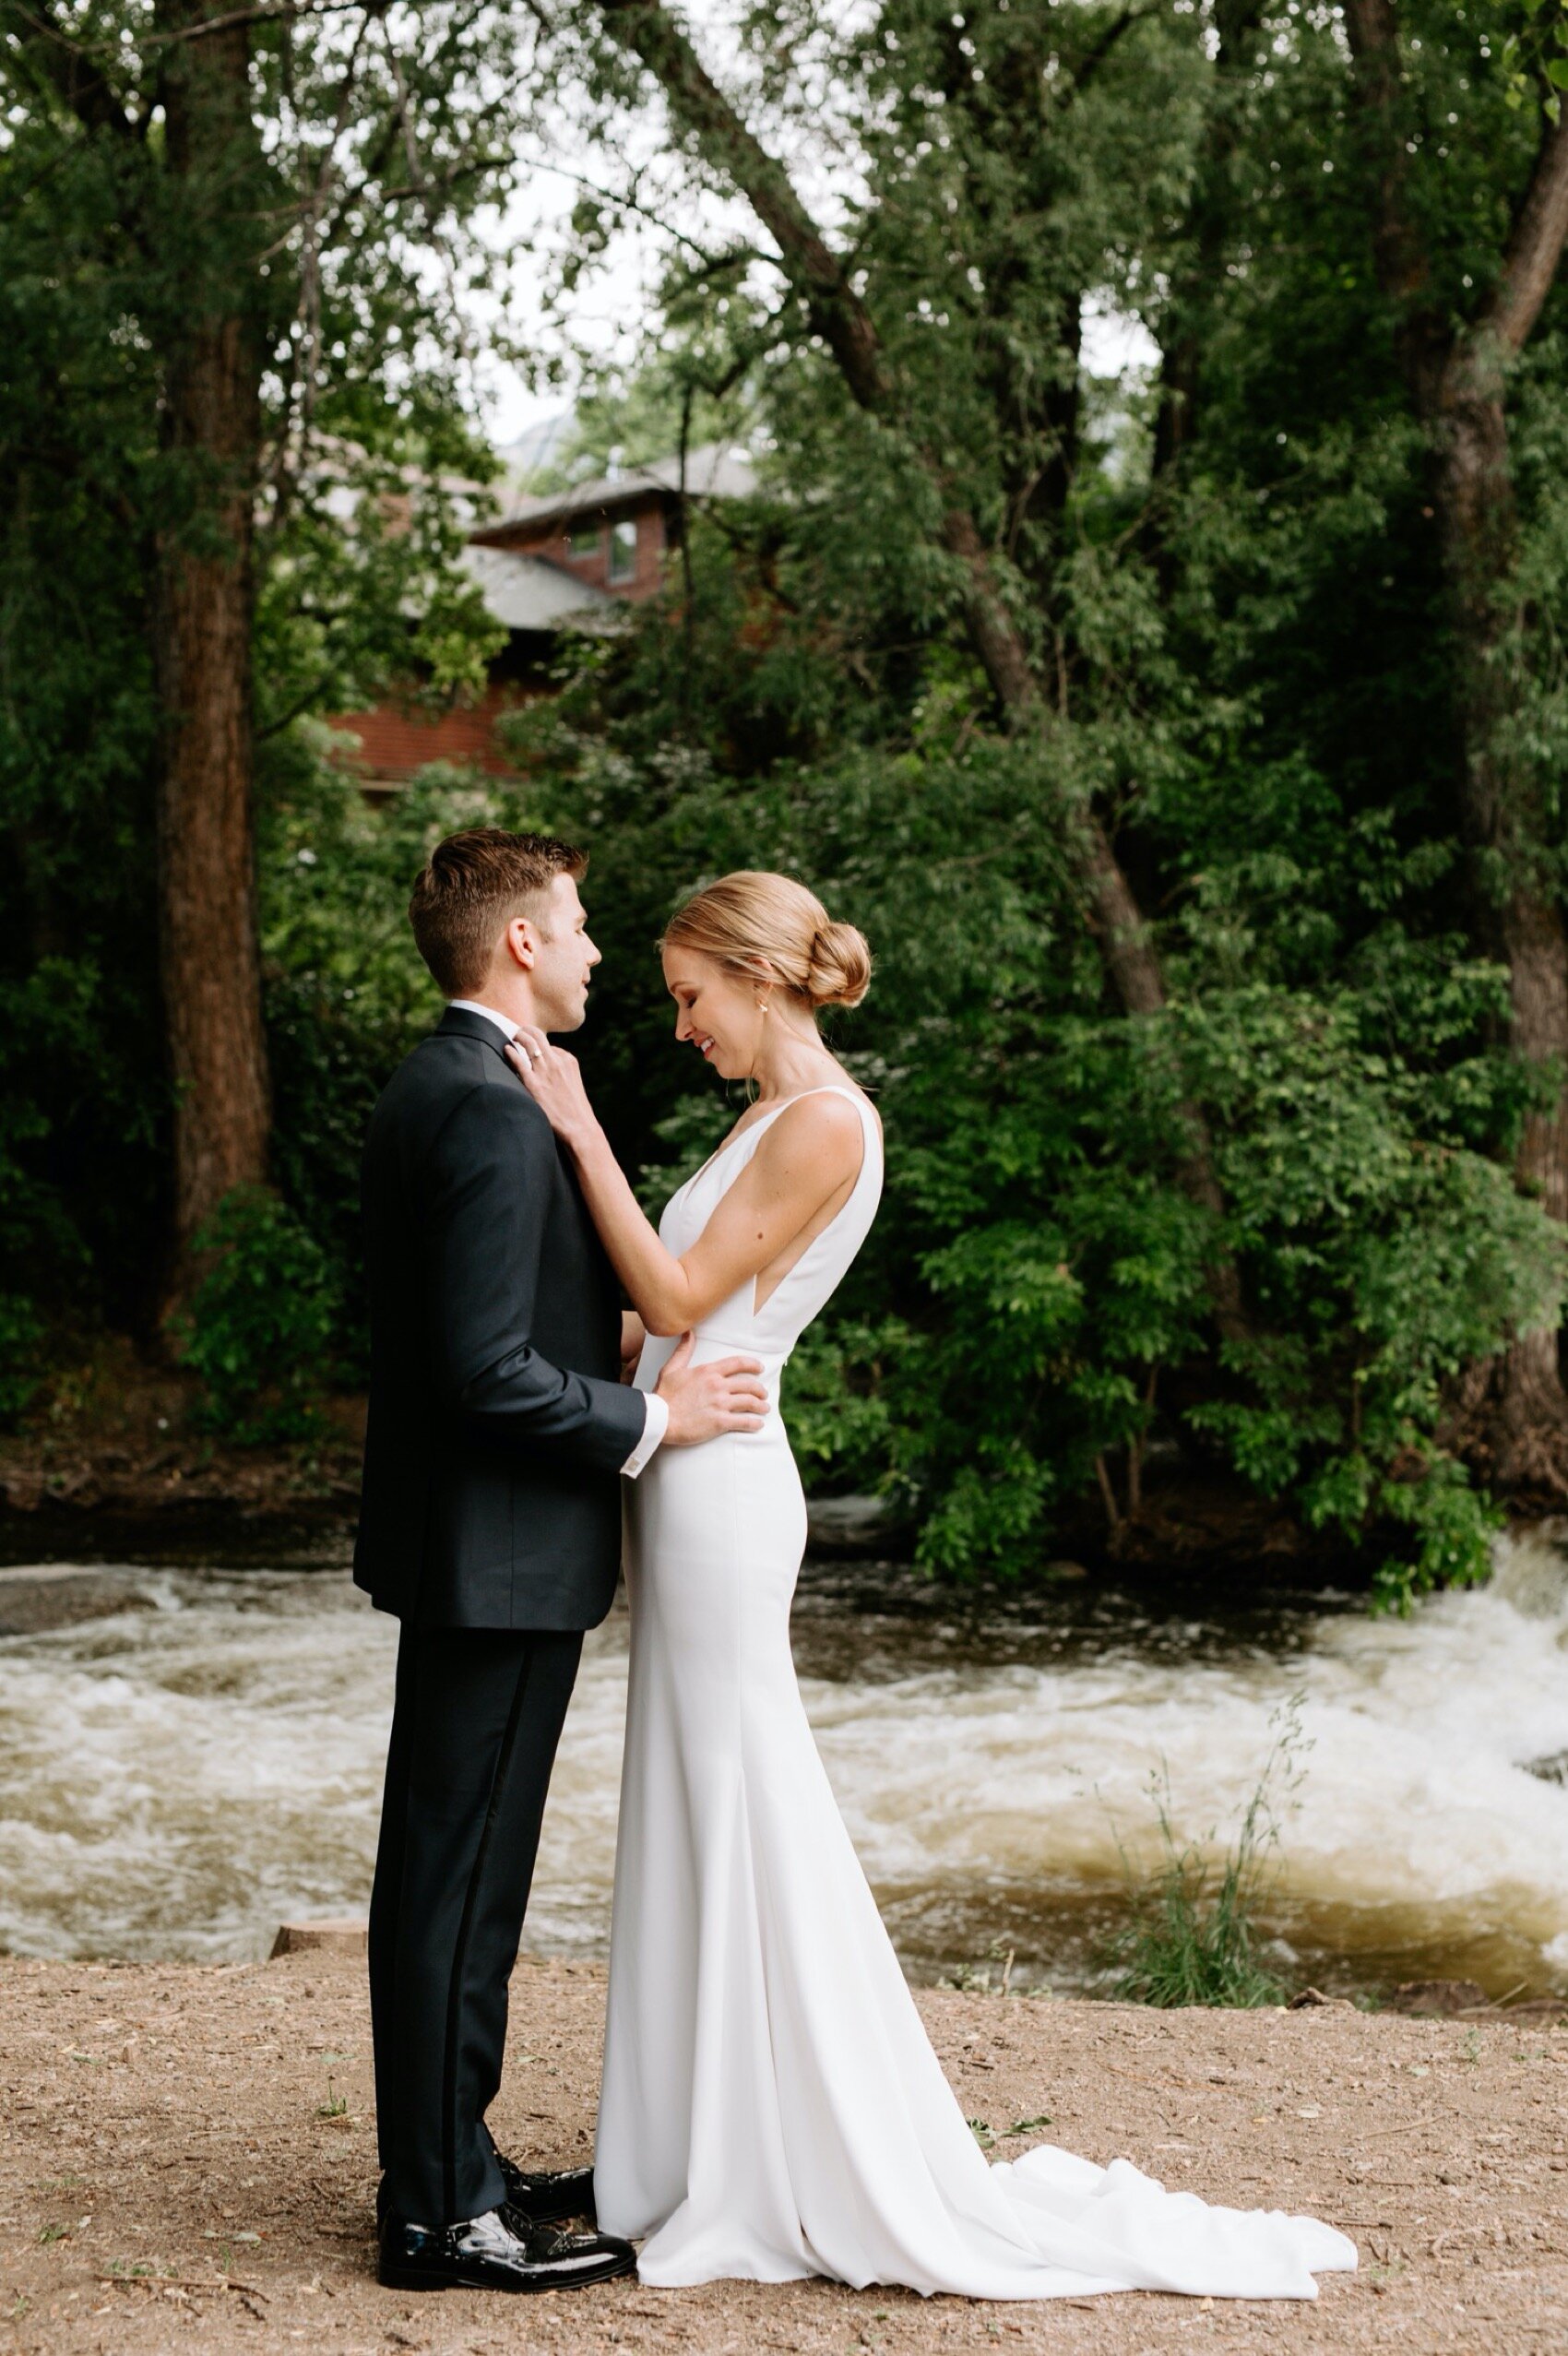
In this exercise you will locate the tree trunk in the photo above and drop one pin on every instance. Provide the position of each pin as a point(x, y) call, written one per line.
point(203, 612)
point(1505, 824)
point(1457, 386)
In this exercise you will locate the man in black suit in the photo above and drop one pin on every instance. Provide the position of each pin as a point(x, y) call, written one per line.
point(491, 1525)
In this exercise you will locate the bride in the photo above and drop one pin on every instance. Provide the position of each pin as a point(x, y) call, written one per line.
point(771, 2107)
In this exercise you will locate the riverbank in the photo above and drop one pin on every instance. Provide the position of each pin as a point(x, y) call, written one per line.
point(115, 1445)
point(177, 2171)
point(115, 1436)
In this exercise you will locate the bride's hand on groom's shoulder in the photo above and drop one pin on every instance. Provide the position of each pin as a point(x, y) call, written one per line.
point(554, 1080)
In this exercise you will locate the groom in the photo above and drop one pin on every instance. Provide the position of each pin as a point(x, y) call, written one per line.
point(491, 1526)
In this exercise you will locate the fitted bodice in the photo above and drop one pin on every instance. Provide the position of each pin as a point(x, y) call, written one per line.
point(771, 1331)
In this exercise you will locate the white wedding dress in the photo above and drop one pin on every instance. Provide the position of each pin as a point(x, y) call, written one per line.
point(771, 2105)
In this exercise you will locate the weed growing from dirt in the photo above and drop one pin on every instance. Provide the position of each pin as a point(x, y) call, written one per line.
point(1192, 1937)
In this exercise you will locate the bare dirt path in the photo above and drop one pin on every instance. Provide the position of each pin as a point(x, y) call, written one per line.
point(176, 2174)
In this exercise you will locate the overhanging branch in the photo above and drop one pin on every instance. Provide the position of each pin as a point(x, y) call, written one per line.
point(1534, 242)
point(700, 107)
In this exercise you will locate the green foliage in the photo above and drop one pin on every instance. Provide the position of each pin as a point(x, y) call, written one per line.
point(1046, 1274)
point(22, 1370)
point(1192, 1934)
point(835, 1402)
point(260, 1324)
point(1448, 1529)
point(1192, 1941)
point(1224, 574)
point(1249, 663)
point(367, 467)
point(347, 994)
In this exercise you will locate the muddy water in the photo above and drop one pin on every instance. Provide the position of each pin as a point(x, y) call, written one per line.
point(187, 1755)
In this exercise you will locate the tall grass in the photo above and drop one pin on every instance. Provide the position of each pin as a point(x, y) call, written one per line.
point(1191, 1935)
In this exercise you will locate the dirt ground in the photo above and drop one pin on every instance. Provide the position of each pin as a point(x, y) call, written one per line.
point(188, 2164)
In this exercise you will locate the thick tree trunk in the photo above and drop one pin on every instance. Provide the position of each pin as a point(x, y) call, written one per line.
point(1457, 388)
point(1520, 913)
point(211, 959)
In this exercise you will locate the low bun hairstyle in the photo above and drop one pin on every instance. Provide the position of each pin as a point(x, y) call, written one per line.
point(752, 922)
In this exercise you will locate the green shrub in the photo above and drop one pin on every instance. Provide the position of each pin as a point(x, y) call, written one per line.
point(1192, 1936)
point(259, 1327)
point(22, 1370)
point(835, 1405)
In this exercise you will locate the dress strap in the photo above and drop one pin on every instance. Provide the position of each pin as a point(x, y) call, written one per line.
point(828, 1088)
point(740, 1137)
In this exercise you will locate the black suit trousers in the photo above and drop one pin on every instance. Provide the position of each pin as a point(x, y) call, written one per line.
point(475, 1724)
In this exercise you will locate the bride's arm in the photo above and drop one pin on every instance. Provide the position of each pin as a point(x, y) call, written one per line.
point(811, 1153)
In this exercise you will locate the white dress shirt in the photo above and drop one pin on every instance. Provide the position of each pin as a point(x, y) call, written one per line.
point(656, 1419)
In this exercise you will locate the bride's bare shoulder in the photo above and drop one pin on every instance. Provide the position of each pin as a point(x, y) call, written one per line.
point(824, 1129)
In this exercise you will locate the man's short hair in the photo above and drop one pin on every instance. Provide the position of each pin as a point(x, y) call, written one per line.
point(468, 891)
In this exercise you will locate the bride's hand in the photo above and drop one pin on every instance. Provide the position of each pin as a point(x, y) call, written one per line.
point(555, 1081)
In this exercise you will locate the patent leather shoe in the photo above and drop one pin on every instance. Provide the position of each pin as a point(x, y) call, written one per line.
point(544, 2195)
point(499, 2251)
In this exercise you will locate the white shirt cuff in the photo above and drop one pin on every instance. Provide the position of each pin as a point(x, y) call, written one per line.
point(658, 1424)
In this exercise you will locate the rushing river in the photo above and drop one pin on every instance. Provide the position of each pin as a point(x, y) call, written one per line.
point(188, 1756)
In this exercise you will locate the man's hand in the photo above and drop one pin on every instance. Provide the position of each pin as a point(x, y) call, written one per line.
point(728, 1395)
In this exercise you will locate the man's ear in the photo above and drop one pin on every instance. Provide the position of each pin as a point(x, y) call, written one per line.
point(520, 943)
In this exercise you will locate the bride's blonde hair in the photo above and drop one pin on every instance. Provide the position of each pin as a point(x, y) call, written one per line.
point(752, 920)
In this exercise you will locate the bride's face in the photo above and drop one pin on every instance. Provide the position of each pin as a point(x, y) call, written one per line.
point(715, 1012)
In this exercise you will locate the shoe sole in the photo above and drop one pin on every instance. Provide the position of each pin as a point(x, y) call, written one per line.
point(412, 2278)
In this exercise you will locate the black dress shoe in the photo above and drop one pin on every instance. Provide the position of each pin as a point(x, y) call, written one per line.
point(544, 2195)
point(499, 2251)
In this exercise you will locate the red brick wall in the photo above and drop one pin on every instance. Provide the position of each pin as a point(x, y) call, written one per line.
point(394, 743)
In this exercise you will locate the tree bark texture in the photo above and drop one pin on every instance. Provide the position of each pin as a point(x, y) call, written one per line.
point(204, 610)
point(1457, 386)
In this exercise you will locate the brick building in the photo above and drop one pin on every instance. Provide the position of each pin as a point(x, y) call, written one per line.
point(562, 559)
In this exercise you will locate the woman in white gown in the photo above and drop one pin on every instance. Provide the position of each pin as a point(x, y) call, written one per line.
point(771, 2106)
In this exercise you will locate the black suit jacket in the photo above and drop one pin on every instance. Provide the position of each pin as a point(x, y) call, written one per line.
point(498, 1425)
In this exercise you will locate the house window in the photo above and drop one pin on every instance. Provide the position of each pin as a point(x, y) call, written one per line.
point(623, 551)
point(583, 540)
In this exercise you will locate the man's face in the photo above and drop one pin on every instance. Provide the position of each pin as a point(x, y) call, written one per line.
point(564, 959)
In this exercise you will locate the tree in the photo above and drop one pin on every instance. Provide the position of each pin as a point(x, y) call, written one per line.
point(214, 195)
point(1228, 660)
point(263, 224)
point(1456, 358)
point(1000, 116)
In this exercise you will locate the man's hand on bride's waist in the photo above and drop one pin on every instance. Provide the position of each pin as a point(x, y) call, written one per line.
point(728, 1395)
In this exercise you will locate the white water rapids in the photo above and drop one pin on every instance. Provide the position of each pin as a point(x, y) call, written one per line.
point(202, 1760)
